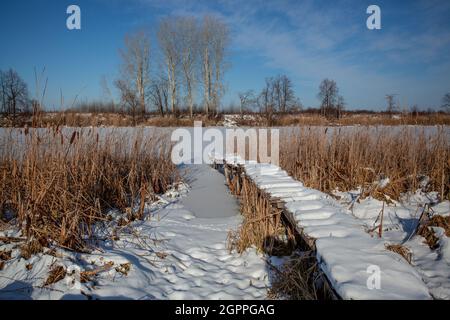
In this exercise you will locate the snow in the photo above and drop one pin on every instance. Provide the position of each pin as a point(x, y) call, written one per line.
point(174, 253)
point(208, 195)
point(344, 250)
point(400, 220)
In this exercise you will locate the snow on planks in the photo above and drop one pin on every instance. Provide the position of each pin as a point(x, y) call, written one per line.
point(345, 252)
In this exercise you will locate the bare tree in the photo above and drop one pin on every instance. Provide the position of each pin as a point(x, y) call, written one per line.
point(340, 106)
point(187, 30)
point(446, 102)
point(14, 93)
point(296, 105)
point(136, 66)
point(267, 100)
point(129, 98)
point(3, 92)
point(328, 95)
point(106, 92)
point(246, 98)
point(391, 105)
point(284, 93)
point(168, 43)
point(213, 47)
point(159, 95)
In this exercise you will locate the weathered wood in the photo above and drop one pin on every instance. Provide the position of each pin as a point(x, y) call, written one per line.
point(278, 205)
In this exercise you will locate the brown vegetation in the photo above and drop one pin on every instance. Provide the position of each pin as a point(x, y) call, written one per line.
point(299, 278)
point(401, 250)
point(329, 159)
point(75, 118)
point(346, 119)
point(57, 273)
point(111, 119)
point(60, 184)
point(262, 226)
point(265, 228)
point(426, 230)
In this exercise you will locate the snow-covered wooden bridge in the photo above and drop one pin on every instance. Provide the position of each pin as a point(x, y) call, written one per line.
point(348, 256)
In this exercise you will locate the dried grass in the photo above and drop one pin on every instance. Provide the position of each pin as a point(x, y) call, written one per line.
point(299, 278)
point(57, 273)
point(5, 255)
point(441, 222)
point(426, 230)
point(30, 248)
point(60, 184)
point(89, 275)
point(351, 119)
point(330, 158)
point(114, 119)
point(262, 226)
point(401, 250)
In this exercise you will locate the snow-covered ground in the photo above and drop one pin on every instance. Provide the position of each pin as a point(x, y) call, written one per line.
point(179, 250)
point(346, 252)
point(172, 254)
point(400, 218)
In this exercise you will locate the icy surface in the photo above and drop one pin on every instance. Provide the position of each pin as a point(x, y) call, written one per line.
point(208, 196)
point(345, 251)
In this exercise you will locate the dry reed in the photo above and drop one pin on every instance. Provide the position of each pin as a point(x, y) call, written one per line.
point(60, 184)
point(299, 278)
point(401, 250)
point(331, 158)
point(262, 226)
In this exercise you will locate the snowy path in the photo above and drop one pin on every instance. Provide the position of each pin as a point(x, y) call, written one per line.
point(178, 252)
point(208, 195)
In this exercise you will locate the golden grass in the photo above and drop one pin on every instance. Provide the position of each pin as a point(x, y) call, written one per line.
point(57, 273)
point(59, 185)
point(299, 278)
point(331, 158)
point(401, 250)
point(262, 226)
point(441, 222)
point(5, 255)
point(86, 119)
point(426, 230)
point(83, 119)
point(363, 120)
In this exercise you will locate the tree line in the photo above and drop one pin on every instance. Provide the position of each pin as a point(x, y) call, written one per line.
point(191, 61)
point(184, 72)
point(13, 93)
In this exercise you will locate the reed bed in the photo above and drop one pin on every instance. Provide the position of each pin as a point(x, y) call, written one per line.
point(405, 158)
point(300, 278)
point(262, 226)
point(60, 184)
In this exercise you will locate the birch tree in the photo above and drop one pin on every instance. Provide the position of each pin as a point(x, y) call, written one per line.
point(188, 39)
point(213, 49)
point(136, 67)
point(168, 43)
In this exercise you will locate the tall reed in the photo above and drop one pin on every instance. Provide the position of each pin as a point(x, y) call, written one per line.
point(58, 183)
point(348, 158)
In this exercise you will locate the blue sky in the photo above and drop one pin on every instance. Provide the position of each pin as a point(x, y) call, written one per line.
point(307, 40)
